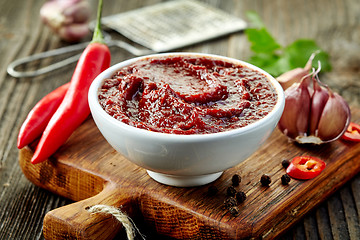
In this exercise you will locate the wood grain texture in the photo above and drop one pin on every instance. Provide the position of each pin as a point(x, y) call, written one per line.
point(86, 166)
point(334, 24)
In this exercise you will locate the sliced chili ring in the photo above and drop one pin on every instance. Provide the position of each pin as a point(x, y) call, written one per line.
point(305, 167)
point(352, 133)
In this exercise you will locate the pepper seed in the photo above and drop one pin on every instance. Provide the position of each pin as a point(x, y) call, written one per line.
point(285, 163)
point(234, 211)
point(240, 196)
point(285, 179)
point(265, 180)
point(236, 179)
point(230, 202)
point(231, 191)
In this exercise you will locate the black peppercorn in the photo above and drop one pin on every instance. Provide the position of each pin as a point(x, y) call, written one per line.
point(230, 202)
point(285, 163)
point(240, 197)
point(231, 191)
point(212, 190)
point(236, 179)
point(265, 180)
point(234, 211)
point(285, 179)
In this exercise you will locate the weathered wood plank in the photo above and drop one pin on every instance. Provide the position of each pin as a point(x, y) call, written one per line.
point(351, 216)
point(337, 218)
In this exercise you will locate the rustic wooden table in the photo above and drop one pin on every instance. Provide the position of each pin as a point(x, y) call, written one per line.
point(334, 24)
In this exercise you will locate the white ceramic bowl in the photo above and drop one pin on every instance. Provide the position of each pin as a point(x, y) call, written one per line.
point(183, 160)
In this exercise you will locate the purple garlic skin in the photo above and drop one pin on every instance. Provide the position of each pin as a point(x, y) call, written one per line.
point(318, 102)
point(294, 121)
point(313, 113)
point(67, 18)
point(336, 113)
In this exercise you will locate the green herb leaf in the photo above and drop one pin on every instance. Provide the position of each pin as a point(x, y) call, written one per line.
point(273, 64)
point(276, 59)
point(262, 41)
point(255, 20)
point(299, 52)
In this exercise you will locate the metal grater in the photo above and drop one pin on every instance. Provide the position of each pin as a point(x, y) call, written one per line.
point(171, 25)
point(158, 28)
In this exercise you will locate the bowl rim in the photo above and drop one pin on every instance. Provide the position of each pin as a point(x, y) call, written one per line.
point(97, 83)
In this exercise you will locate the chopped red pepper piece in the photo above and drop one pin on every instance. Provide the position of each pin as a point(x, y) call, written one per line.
point(305, 167)
point(352, 133)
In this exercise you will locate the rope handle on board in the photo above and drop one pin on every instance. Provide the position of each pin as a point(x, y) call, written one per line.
point(125, 220)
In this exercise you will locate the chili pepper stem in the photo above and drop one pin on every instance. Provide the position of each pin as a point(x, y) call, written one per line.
point(98, 36)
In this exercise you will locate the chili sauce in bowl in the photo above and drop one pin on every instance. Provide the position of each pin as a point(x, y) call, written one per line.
point(187, 95)
point(185, 117)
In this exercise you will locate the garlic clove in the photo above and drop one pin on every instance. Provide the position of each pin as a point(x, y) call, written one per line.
point(334, 119)
point(64, 17)
point(302, 122)
point(294, 121)
point(51, 16)
point(79, 12)
point(319, 98)
point(295, 75)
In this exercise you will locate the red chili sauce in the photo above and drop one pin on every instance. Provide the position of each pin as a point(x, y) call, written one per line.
point(187, 95)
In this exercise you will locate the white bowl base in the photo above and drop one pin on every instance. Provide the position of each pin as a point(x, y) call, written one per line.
point(184, 181)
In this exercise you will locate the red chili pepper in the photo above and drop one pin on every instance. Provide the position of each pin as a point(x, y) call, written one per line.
point(40, 115)
point(305, 167)
point(74, 109)
point(352, 133)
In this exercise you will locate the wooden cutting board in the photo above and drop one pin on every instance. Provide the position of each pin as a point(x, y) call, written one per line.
point(87, 170)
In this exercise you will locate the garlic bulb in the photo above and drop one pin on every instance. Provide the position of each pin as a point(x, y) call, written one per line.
point(313, 113)
point(67, 18)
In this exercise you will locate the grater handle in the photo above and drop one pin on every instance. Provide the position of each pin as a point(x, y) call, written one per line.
point(18, 74)
point(11, 69)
